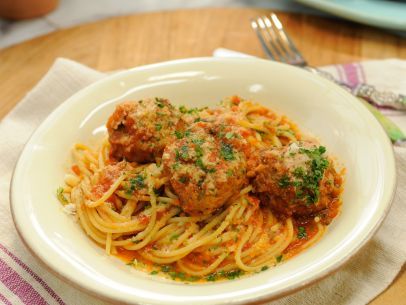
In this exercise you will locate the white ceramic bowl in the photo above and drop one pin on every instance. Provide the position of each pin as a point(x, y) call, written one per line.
point(347, 129)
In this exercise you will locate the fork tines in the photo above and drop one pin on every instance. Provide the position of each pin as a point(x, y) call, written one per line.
point(275, 41)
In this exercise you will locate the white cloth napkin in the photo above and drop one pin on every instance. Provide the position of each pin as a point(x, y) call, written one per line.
point(23, 280)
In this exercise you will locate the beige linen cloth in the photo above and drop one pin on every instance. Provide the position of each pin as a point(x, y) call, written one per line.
point(23, 280)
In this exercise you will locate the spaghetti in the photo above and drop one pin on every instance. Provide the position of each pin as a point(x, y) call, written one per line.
point(135, 213)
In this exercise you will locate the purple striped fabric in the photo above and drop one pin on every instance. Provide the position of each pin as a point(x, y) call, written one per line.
point(33, 274)
point(4, 300)
point(351, 74)
point(21, 288)
point(362, 72)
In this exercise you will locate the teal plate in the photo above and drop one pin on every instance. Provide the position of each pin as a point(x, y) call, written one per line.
point(379, 13)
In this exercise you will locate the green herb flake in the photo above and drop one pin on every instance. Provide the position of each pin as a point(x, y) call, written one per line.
point(135, 184)
point(284, 182)
point(61, 197)
point(264, 268)
point(154, 272)
point(279, 258)
point(183, 179)
point(158, 127)
point(198, 151)
point(184, 152)
point(301, 233)
point(198, 141)
point(179, 134)
point(199, 163)
point(229, 135)
point(183, 109)
point(231, 275)
point(229, 173)
point(174, 237)
point(226, 151)
point(212, 277)
point(159, 102)
point(166, 268)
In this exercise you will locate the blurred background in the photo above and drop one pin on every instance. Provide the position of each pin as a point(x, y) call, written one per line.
point(24, 19)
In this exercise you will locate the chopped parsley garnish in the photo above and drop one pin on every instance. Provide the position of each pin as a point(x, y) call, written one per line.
point(229, 172)
point(179, 134)
point(199, 151)
point(227, 152)
point(175, 275)
point(183, 109)
point(229, 135)
point(159, 102)
point(284, 182)
point(158, 127)
point(193, 278)
point(211, 277)
point(174, 237)
point(135, 184)
point(198, 141)
point(199, 163)
point(154, 272)
point(61, 197)
point(183, 179)
point(231, 275)
point(184, 152)
point(301, 233)
point(306, 181)
point(166, 268)
point(264, 268)
point(279, 258)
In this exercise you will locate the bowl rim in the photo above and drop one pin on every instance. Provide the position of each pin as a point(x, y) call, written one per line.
point(265, 296)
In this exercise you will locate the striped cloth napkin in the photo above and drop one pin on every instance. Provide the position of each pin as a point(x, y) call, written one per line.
point(23, 280)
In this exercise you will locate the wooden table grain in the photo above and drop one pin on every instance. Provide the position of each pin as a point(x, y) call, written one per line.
point(129, 41)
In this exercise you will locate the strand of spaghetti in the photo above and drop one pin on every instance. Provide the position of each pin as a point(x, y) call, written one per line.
point(80, 163)
point(169, 193)
point(106, 195)
point(128, 208)
point(154, 230)
point(152, 219)
point(237, 256)
point(285, 241)
point(94, 234)
point(188, 219)
point(112, 214)
point(163, 231)
point(110, 227)
point(315, 238)
point(71, 180)
point(250, 125)
point(225, 237)
point(108, 243)
point(185, 250)
point(182, 238)
point(206, 270)
point(212, 223)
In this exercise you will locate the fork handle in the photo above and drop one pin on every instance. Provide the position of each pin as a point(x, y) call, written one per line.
point(369, 93)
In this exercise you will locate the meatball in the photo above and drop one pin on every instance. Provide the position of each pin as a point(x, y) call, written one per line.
point(139, 131)
point(297, 180)
point(205, 170)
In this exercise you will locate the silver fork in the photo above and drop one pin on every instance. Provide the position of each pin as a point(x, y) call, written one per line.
point(279, 46)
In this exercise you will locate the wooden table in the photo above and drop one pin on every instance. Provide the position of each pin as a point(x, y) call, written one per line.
point(126, 42)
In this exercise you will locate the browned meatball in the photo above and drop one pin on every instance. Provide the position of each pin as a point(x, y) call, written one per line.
point(205, 170)
point(298, 180)
point(139, 131)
